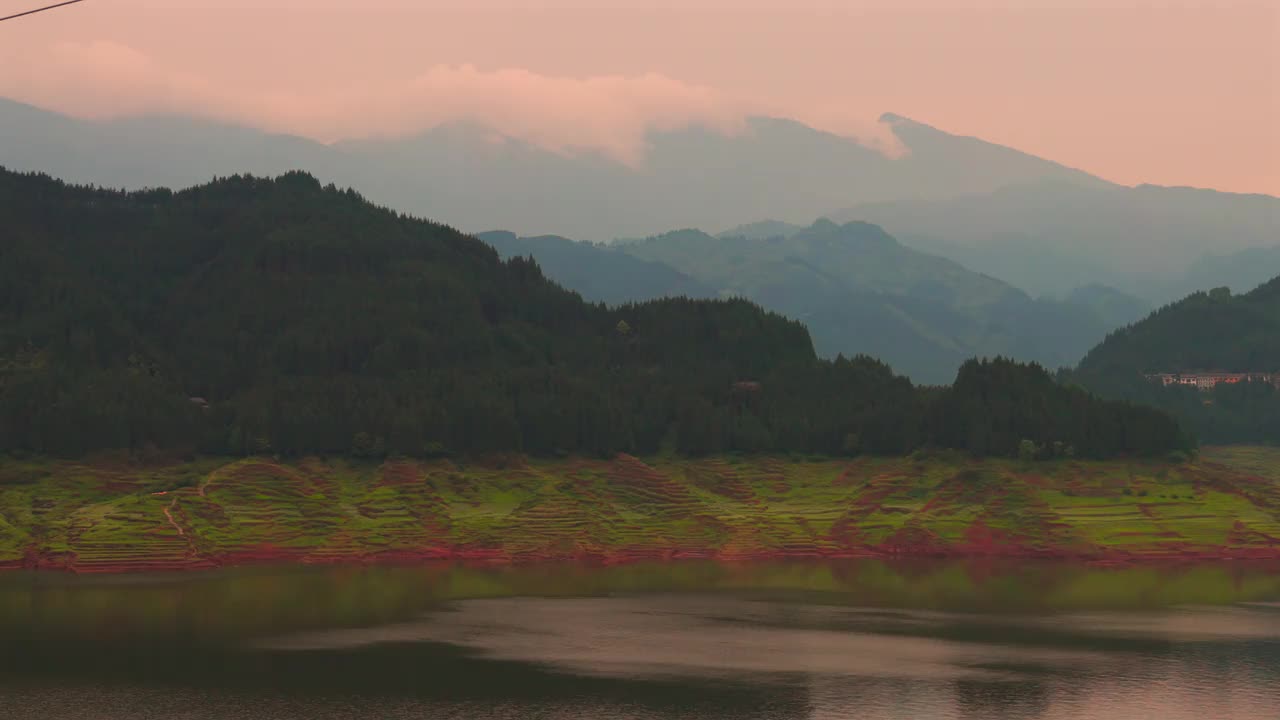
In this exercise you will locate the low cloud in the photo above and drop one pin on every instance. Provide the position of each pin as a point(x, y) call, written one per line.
point(613, 114)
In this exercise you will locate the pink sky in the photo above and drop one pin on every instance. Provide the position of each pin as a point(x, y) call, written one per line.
point(1184, 93)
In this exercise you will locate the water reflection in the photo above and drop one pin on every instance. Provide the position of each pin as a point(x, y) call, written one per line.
point(700, 641)
point(882, 664)
point(705, 636)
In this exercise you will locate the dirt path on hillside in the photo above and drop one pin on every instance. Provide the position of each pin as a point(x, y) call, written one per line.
point(168, 514)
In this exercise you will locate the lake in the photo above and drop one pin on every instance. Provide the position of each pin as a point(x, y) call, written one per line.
point(782, 641)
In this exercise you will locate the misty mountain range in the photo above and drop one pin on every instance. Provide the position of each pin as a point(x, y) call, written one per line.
point(994, 209)
point(858, 290)
point(473, 178)
point(1052, 235)
point(1075, 255)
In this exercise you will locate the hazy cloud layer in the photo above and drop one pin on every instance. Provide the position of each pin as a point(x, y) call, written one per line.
point(611, 113)
point(1132, 90)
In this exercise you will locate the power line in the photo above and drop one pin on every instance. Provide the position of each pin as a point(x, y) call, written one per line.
point(40, 10)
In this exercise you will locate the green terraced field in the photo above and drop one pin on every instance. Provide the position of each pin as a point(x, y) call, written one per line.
point(103, 516)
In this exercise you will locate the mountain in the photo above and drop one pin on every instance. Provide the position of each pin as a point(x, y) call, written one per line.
point(144, 152)
point(853, 255)
point(1024, 262)
point(1037, 224)
point(477, 179)
point(310, 320)
point(597, 272)
point(255, 316)
point(860, 291)
point(1206, 331)
point(1050, 236)
point(1240, 271)
point(1212, 330)
point(763, 230)
point(1115, 308)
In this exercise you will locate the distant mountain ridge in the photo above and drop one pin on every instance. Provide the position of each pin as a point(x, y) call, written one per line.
point(856, 288)
point(1115, 308)
point(861, 291)
point(1038, 225)
point(762, 230)
point(1050, 236)
point(476, 179)
point(598, 273)
point(1242, 271)
point(256, 317)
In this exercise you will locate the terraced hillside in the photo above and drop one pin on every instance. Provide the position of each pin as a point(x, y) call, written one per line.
point(105, 516)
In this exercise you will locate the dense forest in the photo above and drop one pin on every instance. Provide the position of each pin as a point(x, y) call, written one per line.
point(1212, 330)
point(254, 315)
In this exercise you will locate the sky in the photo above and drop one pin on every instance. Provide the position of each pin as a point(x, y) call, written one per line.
point(1171, 93)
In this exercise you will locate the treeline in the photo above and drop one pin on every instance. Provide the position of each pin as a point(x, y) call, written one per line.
point(278, 316)
point(1206, 331)
point(1211, 330)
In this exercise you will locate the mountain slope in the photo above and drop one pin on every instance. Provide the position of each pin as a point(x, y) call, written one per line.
point(256, 316)
point(154, 151)
point(1241, 271)
point(598, 273)
point(1051, 236)
point(762, 230)
point(476, 179)
point(1213, 331)
point(860, 291)
point(627, 510)
point(308, 318)
point(991, 208)
point(1116, 309)
point(1206, 331)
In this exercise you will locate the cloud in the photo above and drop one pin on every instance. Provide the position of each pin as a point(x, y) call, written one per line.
point(611, 113)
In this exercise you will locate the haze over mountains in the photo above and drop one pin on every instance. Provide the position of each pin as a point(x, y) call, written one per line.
point(981, 249)
point(858, 290)
point(1052, 235)
point(476, 179)
point(598, 272)
point(250, 315)
point(1034, 223)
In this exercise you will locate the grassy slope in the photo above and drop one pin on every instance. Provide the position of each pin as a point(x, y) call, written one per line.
point(109, 517)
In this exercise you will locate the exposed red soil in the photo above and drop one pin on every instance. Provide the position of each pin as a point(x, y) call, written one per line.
point(982, 539)
point(631, 480)
point(1012, 521)
point(913, 539)
point(1242, 536)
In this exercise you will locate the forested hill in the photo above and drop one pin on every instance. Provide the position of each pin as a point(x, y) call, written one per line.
point(254, 315)
point(1212, 330)
point(1204, 332)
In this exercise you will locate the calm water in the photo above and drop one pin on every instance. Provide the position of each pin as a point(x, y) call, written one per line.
point(786, 641)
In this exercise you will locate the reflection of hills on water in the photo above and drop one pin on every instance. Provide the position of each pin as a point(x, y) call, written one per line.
point(697, 645)
point(921, 664)
point(705, 636)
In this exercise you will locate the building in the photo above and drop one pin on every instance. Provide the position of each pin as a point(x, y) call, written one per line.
point(1209, 379)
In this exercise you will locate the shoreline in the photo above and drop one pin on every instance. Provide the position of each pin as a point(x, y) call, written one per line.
point(436, 557)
